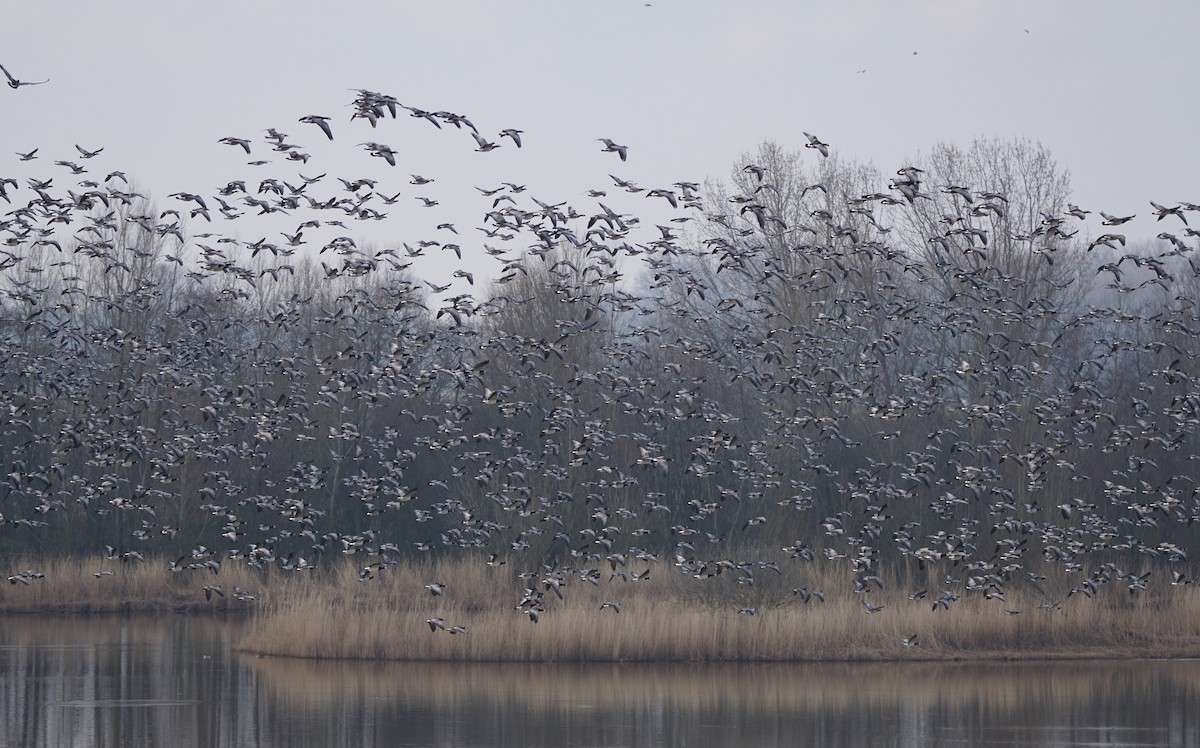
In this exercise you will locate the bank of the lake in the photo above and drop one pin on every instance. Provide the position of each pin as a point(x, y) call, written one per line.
point(179, 680)
point(95, 584)
point(332, 613)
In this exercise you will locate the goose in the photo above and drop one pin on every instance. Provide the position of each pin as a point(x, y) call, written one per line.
point(422, 114)
point(379, 150)
point(667, 195)
point(484, 145)
point(13, 83)
point(241, 142)
point(1106, 240)
point(963, 192)
point(818, 186)
point(319, 121)
point(756, 170)
point(1162, 211)
point(188, 196)
point(456, 119)
point(611, 147)
point(75, 168)
point(514, 134)
point(1115, 220)
point(815, 142)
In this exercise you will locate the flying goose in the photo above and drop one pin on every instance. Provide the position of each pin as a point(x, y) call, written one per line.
point(484, 145)
point(15, 84)
point(611, 147)
point(1115, 220)
point(514, 134)
point(815, 142)
point(319, 121)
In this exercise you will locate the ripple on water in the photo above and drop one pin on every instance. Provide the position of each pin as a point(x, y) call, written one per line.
point(122, 703)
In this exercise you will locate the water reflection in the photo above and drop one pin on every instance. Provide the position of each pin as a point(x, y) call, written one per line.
point(139, 682)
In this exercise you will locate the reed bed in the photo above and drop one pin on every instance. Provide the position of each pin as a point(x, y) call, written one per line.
point(665, 619)
point(94, 584)
point(669, 617)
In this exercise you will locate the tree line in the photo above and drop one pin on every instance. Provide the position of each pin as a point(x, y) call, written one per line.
point(935, 368)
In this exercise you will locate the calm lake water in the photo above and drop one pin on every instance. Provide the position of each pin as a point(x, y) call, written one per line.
point(178, 682)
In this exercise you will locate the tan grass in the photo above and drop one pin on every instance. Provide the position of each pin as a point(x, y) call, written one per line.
point(70, 585)
point(670, 617)
point(665, 620)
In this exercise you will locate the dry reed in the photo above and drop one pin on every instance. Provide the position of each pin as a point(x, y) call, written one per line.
point(668, 617)
point(664, 619)
point(94, 584)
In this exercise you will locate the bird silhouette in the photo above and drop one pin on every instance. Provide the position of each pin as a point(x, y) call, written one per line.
point(611, 147)
point(13, 83)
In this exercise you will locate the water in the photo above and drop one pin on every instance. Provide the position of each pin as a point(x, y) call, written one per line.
point(137, 682)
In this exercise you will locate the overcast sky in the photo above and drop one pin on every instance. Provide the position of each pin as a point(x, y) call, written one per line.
point(688, 86)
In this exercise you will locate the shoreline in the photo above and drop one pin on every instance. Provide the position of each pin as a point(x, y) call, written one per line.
point(331, 615)
point(1185, 654)
point(1161, 651)
point(1158, 652)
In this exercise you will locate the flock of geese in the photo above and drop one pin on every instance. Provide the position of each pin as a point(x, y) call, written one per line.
point(939, 379)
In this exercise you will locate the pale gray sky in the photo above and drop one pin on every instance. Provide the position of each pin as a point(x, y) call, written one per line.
point(687, 86)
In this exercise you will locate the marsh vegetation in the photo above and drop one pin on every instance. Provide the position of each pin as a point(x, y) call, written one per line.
point(815, 382)
point(331, 613)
